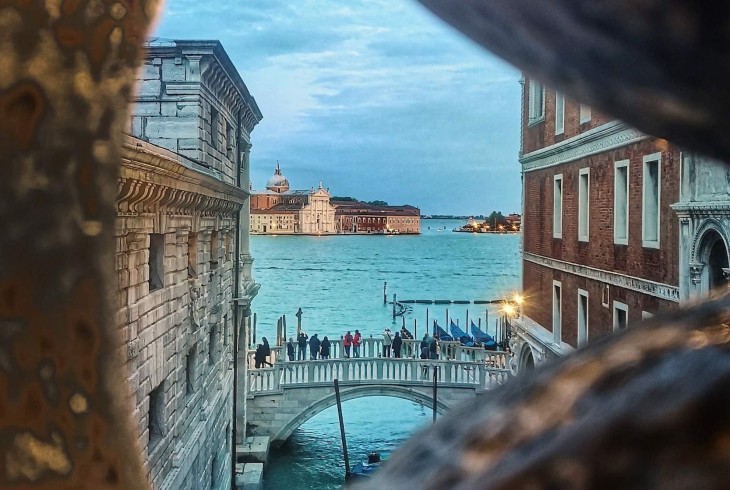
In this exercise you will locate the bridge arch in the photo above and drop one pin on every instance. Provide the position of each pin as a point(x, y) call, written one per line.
point(351, 393)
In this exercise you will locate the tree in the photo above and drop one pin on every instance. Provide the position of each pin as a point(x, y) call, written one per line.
point(495, 219)
point(378, 203)
point(343, 198)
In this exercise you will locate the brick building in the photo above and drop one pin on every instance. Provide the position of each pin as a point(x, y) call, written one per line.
point(600, 239)
point(183, 259)
point(355, 217)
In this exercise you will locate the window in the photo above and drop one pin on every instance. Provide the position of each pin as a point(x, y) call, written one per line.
point(214, 243)
point(212, 345)
point(558, 206)
point(190, 371)
point(583, 201)
point(214, 469)
point(621, 202)
point(192, 255)
point(157, 261)
point(651, 198)
point(214, 124)
point(620, 316)
point(156, 417)
point(226, 330)
point(557, 313)
point(536, 102)
point(582, 317)
point(559, 113)
point(585, 114)
point(645, 315)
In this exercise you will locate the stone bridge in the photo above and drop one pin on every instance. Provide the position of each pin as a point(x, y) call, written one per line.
point(283, 397)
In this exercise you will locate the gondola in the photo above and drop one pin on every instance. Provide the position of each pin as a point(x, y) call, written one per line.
point(366, 470)
point(441, 333)
point(460, 335)
point(483, 338)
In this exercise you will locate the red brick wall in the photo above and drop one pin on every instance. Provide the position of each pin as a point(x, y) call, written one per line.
point(538, 284)
point(659, 265)
point(542, 134)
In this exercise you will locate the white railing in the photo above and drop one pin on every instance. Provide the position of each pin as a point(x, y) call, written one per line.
point(373, 348)
point(299, 374)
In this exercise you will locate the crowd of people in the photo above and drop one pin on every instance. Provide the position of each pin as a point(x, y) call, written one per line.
point(392, 346)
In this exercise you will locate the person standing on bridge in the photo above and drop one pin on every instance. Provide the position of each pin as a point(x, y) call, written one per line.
point(324, 349)
point(356, 340)
point(433, 347)
point(302, 343)
point(387, 341)
point(347, 342)
point(314, 344)
point(290, 349)
point(397, 344)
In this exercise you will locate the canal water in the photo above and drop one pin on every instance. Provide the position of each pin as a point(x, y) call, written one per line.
point(338, 281)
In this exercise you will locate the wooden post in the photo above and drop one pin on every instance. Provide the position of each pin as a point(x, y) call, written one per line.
point(435, 390)
point(278, 332)
point(394, 302)
point(385, 294)
point(480, 324)
point(254, 330)
point(415, 330)
point(486, 319)
point(299, 322)
point(342, 430)
point(404, 321)
point(447, 319)
point(426, 320)
point(283, 329)
point(466, 324)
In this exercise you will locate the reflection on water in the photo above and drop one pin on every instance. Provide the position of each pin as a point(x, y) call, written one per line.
point(312, 457)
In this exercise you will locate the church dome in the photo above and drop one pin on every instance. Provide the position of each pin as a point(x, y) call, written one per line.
point(277, 182)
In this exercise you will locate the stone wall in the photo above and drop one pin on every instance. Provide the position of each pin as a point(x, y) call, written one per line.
point(179, 336)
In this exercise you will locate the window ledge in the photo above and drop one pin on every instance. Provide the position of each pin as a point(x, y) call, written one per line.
point(583, 239)
point(620, 241)
point(650, 244)
point(535, 121)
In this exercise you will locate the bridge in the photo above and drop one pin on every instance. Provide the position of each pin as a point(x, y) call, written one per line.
point(281, 398)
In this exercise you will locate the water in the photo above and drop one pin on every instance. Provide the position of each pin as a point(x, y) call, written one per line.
point(338, 283)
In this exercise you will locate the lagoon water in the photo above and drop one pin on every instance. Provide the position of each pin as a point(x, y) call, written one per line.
point(337, 281)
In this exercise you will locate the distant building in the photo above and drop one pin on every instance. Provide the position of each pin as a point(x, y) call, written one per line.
point(279, 210)
point(181, 210)
point(355, 217)
point(599, 234)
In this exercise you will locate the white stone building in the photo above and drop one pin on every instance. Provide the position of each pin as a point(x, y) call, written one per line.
point(183, 259)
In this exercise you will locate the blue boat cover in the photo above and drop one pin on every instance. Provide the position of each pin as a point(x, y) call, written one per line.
point(459, 334)
point(443, 335)
point(480, 336)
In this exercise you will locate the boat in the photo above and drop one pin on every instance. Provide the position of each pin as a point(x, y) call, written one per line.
point(471, 226)
point(441, 333)
point(366, 470)
point(458, 334)
point(485, 339)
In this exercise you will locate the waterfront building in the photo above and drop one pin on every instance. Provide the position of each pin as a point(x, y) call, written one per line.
point(704, 226)
point(355, 217)
point(599, 233)
point(183, 259)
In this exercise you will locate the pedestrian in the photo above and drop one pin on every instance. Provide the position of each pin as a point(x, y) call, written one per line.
point(267, 351)
point(387, 342)
point(302, 343)
point(324, 349)
point(258, 356)
point(290, 349)
point(424, 366)
point(425, 341)
point(356, 340)
point(347, 342)
point(314, 344)
point(433, 347)
point(397, 344)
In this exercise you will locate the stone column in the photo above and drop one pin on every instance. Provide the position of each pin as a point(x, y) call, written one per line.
point(685, 243)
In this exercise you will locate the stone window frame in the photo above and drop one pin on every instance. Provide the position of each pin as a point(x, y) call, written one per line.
point(558, 206)
point(156, 262)
point(619, 306)
point(584, 204)
point(584, 114)
point(557, 312)
point(653, 158)
point(621, 164)
point(559, 111)
point(535, 102)
point(215, 116)
point(156, 417)
point(583, 318)
point(191, 359)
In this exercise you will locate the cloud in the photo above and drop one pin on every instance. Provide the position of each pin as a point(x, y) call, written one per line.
point(377, 98)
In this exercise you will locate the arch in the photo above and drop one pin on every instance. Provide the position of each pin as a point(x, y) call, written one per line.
point(527, 360)
point(351, 393)
point(711, 251)
point(707, 225)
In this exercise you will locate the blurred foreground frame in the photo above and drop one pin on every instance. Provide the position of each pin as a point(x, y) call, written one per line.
point(643, 409)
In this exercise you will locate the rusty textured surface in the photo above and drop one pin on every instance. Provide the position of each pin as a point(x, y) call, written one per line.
point(66, 74)
point(656, 64)
point(646, 408)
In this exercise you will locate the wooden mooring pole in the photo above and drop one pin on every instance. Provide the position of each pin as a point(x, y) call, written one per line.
point(394, 302)
point(283, 329)
point(385, 292)
point(426, 320)
point(342, 430)
point(415, 330)
point(299, 322)
point(254, 330)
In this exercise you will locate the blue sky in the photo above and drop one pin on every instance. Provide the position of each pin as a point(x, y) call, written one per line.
point(376, 98)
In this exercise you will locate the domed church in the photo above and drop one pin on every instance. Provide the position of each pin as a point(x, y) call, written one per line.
point(280, 210)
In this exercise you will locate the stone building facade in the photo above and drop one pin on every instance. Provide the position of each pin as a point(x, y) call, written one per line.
point(599, 234)
point(183, 260)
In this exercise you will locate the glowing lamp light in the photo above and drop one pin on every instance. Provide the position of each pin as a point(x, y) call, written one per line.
point(519, 299)
point(509, 309)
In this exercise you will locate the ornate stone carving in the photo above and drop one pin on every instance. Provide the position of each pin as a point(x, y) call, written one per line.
point(695, 273)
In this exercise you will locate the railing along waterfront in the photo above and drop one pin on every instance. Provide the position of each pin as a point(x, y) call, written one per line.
point(298, 374)
point(373, 348)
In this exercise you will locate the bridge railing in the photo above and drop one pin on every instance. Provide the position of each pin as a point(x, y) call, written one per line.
point(373, 348)
point(367, 370)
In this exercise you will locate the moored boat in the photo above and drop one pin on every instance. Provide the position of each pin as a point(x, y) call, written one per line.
point(365, 470)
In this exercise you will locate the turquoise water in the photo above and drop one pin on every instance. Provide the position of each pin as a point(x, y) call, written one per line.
point(338, 283)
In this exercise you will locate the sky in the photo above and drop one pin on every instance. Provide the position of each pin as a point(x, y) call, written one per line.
point(378, 99)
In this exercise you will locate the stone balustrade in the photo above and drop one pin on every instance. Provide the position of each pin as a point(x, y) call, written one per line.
point(300, 374)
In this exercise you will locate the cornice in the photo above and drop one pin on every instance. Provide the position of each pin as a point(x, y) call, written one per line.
point(153, 178)
point(638, 284)
point(704, 209)
point(609, 136)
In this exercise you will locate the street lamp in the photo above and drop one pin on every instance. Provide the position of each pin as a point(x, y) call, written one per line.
point(519, 300)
